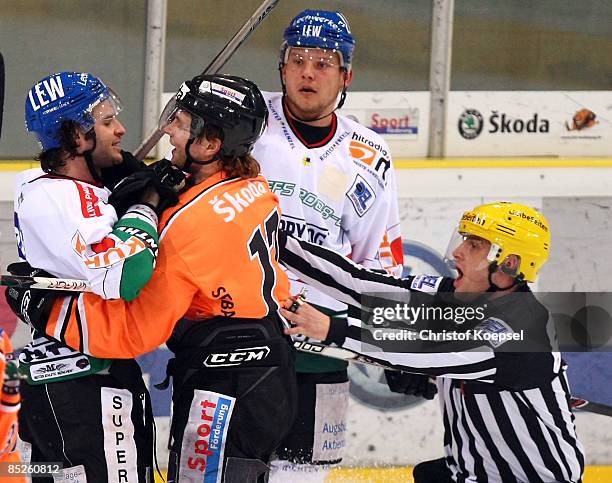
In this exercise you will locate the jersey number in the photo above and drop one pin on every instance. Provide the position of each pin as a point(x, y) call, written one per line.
point(260, 246)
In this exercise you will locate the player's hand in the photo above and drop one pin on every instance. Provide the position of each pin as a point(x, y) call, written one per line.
point(411, 384)
point(30, 305)
point(111, 175)
point(306, 320)
point(163, 177)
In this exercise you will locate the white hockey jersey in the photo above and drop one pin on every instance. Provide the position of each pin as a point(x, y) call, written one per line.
point(340, 193)
point(66, 227)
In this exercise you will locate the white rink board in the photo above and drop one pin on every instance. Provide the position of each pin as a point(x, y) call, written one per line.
point(512, 123)
point(401, 118)
point(524, 123)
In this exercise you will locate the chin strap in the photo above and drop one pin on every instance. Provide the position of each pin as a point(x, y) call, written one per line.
point(189, 160)
point(295, 116)
point(494, 288)
point(88, 155)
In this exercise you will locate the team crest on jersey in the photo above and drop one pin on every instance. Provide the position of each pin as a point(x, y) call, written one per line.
point(426, 283)
point(361, 195)
point(496, 327)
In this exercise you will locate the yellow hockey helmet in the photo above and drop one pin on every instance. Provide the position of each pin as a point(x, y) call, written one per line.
point(512, 229)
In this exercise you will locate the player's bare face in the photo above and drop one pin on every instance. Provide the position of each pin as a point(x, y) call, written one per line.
point(179, 131)
point(472, 265)
point(313, 80)
point(109, 132)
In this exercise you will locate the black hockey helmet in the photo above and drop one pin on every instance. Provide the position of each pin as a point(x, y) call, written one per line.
point(232, 103)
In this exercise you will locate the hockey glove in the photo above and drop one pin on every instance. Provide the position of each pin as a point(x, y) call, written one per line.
point(113, 174)
point(411, 384)
point(29, 304)
point(163, 176)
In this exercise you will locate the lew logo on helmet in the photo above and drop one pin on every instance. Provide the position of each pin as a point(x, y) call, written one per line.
point(311, 30)
point(46, 91)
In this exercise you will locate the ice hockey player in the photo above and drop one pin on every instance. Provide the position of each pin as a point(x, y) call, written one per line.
point(66, 226)
point(336, 186)
point(233, 375)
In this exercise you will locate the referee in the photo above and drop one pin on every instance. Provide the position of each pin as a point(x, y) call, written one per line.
point(506, 412)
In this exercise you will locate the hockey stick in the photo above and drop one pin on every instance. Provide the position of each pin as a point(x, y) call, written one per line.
point(217, 63)
point(311, 347)
point(337, 353)
point(45, 283)
point(1, 91)
point(584, 405)
point(321, 349)
point(71, 285)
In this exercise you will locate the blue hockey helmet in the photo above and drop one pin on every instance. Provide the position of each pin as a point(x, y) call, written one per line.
point(320, 29)
point(64, 96)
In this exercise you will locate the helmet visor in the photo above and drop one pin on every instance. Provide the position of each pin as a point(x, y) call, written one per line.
point(181, 119)
point(168, 114)
point(454, 242)
point(105, 110)
point(472, 247)
point(321, 60)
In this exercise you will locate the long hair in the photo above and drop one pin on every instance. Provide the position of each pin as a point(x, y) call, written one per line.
point(53, 159)
point(243, 166)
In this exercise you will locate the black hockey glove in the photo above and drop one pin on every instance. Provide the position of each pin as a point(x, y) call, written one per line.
point(163, 176)
point(29, 304)
point(411, 384)
point(113, 174)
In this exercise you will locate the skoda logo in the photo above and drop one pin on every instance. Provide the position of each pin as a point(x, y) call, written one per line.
point(470, 124)
point(368, 383)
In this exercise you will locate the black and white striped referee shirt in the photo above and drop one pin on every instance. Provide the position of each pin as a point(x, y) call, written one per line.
point(506, 415)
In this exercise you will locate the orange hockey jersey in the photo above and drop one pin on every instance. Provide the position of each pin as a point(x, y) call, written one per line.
point(10, 401)
point(217, 257)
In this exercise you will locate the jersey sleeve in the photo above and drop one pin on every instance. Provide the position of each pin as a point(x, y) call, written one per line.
point(117, 329)
point(66, 228)
point(348, 282)
point(363, 290)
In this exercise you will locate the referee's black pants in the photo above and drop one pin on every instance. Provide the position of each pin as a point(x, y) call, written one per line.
point(434, 471)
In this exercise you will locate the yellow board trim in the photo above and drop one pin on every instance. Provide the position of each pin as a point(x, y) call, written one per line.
point(503, 163)
point(449, 163)
point(18, 165)
point(592, 474)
